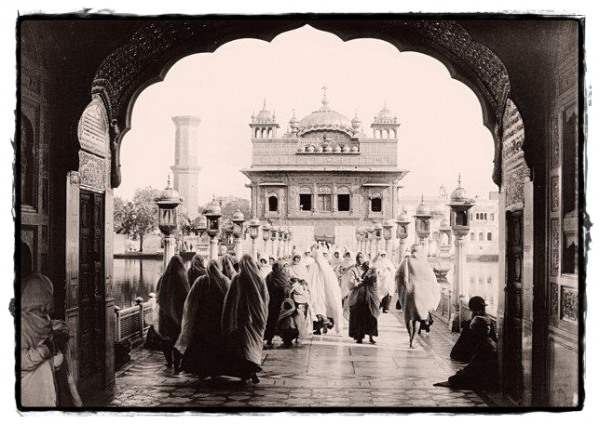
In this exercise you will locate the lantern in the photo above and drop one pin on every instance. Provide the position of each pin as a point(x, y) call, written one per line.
point(167, 202)
point(422, 221)
point(402, 222)
point(253, 226)
point(387, 229)
point(199, 225)
point(238, 223)
point(459, 211)
point(213, 214)
point(266, 232)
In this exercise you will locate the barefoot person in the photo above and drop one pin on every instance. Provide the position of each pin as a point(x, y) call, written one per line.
point(418, 290)
point(244, 320)
point(363, 302)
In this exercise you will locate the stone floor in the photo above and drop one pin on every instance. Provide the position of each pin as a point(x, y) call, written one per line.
point(326, 371)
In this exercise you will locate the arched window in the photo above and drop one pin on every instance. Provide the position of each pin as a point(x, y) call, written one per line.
point(273, 203)
point(324, 199)
point(489, 236)
point(480, 236)
point(472, 236)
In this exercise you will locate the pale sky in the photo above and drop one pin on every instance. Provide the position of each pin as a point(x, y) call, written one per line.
point(441, 126)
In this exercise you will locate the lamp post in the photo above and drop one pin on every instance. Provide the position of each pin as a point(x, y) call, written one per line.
point(238, 228)
point(279, 243)
point(378, 236)
point(213, 214)
point(253, 226)
point(370, 239)
point(266, 234)
point(274, 231)
point(286, 243)
point(387, 235)
point(199, 228)
point(459, 221)
point(402, 233)
point(290, 238)
point(422, 223)
point(167, 202)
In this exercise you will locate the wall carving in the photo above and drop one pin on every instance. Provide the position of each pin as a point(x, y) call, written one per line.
point(554, 194)
point(92, 130)
point(515, 195)
point(554, 246)
point(92, 170)
point(568, 303)
point(554, 300)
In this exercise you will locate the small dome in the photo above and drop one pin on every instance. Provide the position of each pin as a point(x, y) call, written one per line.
point(346, 148)
point(326, 119)
point(422, 210)
point(238, 216)
point(338, 148)
point(459, 194)
point(354, 149)
point(213, 208)
point(328, 149)
point(403, 217)
point(355, 122)
point(169, 194)
point(319, 149)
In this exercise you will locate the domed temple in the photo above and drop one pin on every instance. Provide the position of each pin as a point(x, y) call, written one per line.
point(324, 177)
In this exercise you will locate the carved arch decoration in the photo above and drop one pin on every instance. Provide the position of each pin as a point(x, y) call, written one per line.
point(155, 47)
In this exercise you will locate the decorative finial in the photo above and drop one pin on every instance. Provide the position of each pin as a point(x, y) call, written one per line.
point(422, 200)
point(168, 181)
point(459, 180)
point(324, 101)
point(264, 104)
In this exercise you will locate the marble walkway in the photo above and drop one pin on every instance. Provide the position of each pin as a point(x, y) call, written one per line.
point(325, 371)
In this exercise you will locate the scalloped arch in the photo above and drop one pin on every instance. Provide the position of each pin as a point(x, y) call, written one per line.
point(151, 51)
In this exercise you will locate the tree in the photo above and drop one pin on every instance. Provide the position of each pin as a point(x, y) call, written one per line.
point(137, 217)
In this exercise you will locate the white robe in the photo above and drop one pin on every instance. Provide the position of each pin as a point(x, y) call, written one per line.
point(326, 297)
point(385, 277)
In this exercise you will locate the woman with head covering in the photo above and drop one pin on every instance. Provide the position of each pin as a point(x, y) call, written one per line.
point(201, 340)
point(264, 267)
point(227, 266)
point(297, 269)
point(278, 284)
point(244, 320)
point(363, 303)
point(326, 297)
point(172, 289)
point(385, 277)
point(46, 380)
point(418, 290)
point(197, 269)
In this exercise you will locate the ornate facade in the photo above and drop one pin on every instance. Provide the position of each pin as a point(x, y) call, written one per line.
point(324, 177)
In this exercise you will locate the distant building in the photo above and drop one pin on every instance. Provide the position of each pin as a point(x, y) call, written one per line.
point(324, 177)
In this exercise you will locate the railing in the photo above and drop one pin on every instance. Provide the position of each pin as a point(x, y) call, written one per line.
point(131, 324)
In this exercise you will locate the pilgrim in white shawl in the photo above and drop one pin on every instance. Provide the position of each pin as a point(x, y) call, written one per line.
point(418, 290)
point(201, 339)
point(326, 297)
point(385, 279)
point(244, 320)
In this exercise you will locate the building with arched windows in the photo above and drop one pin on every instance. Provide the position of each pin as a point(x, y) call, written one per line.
point(324, 177)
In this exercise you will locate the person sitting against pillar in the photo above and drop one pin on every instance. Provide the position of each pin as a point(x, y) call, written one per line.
point(46, 377)
point(482, 371)
point(464, 347)
point(172, 290)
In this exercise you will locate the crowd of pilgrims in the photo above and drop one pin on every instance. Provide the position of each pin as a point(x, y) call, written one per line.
point(214, 319)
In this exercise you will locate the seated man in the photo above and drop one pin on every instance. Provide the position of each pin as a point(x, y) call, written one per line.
point(464, 348)
point(482, 371)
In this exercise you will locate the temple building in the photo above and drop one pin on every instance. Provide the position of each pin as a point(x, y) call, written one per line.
point(324, 177)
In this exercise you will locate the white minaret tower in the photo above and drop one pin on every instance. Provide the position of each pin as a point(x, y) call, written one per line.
point(186, 168)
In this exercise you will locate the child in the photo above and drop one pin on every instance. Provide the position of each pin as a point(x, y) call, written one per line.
point(301, 297)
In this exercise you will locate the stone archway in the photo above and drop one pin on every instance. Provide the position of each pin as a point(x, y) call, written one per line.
point(153, 49)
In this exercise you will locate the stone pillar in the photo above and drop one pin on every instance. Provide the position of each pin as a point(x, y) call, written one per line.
point(170, 243)
point(214, 248)
point(457, 283)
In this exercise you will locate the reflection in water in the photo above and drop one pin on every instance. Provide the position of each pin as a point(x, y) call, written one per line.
point(135, 277)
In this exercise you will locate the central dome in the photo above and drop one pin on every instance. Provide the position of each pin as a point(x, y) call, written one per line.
point(325, 119)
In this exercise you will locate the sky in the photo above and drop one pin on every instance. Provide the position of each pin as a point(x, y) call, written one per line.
point(441, 125)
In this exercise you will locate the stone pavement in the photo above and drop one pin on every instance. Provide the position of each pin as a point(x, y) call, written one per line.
point(325, 371)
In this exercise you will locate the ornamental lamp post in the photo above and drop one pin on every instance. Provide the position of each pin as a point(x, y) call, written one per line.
point(238, 227)
point(279, 243)
point(402, 233)
point(253, 226)
point(378, 235)
point(387, 235)
point(286, 244)
point(266, 234)
point(199, 228)
point(167, 202)
point(274, 231)
point(370, 239)
point(213, 214)
point(459, 222)
point(422, 222)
